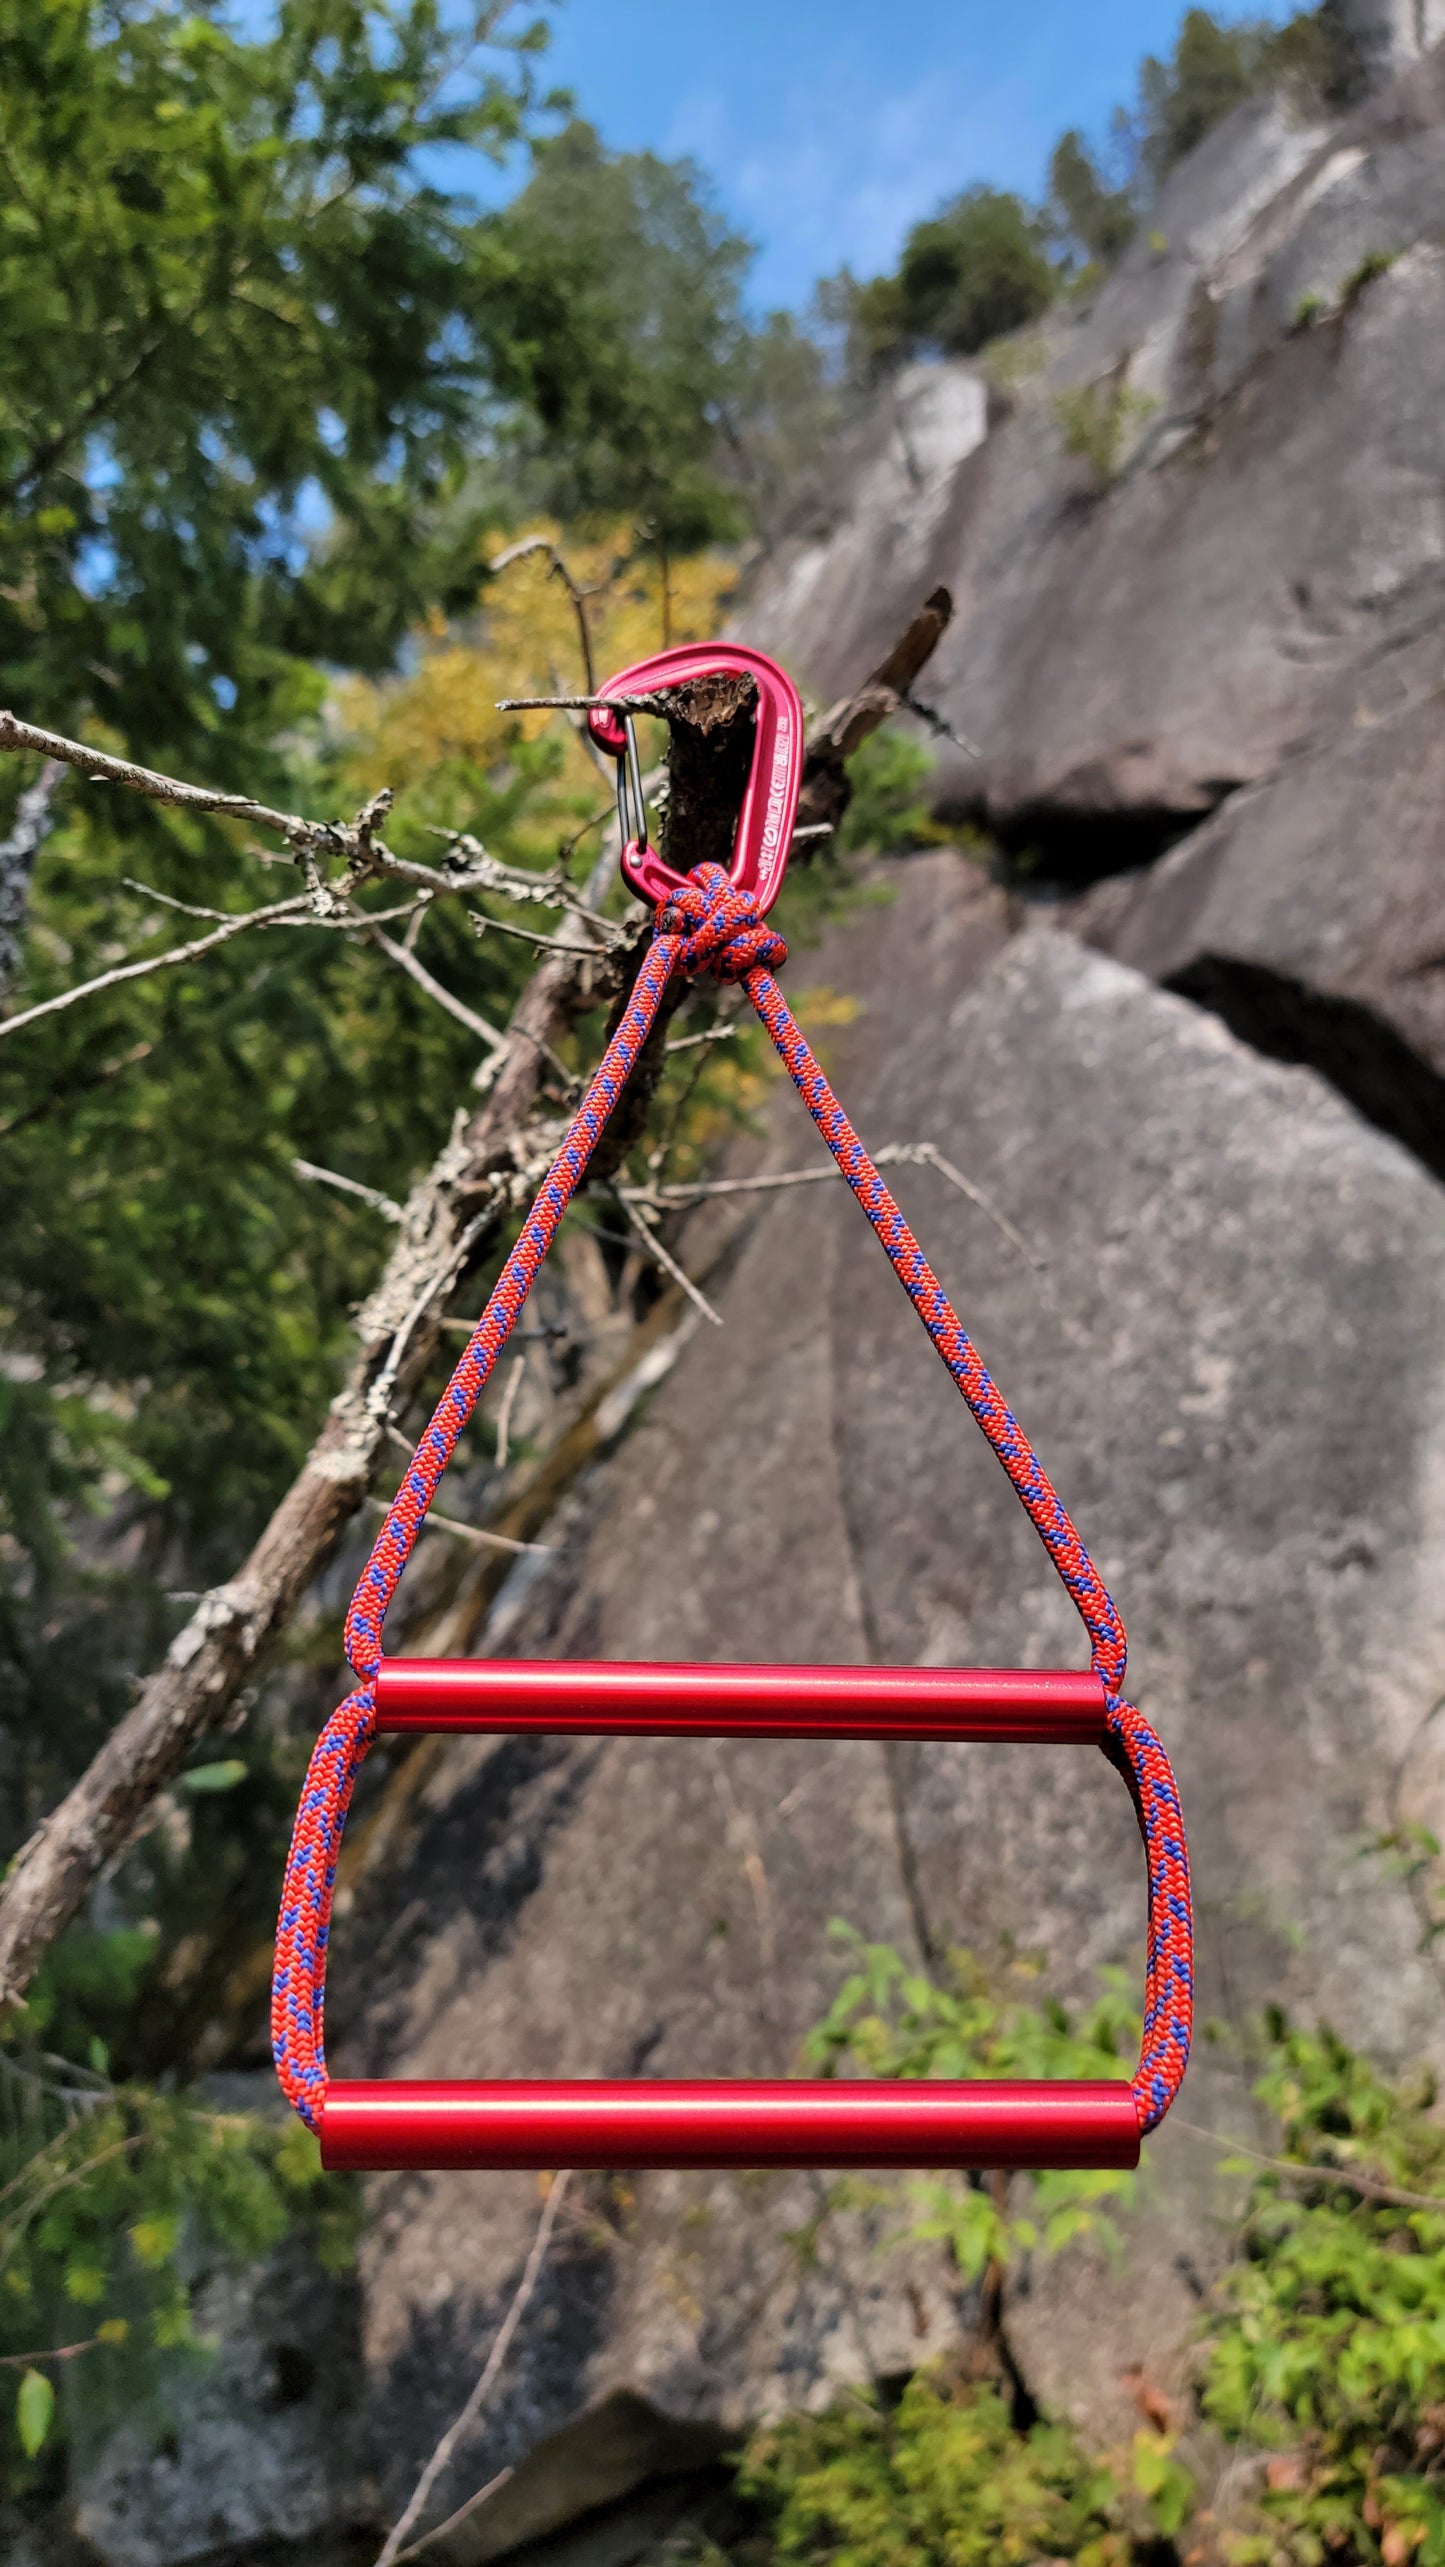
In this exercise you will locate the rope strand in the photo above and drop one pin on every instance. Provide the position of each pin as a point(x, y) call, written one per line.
point(708, 926)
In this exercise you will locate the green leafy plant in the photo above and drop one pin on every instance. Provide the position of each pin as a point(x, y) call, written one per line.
point(976, 269)
point(942, 2480)
point(116, 2203)
point(1093, 219)
point(1327, 2342)
point(1097, 422)
point(889, 2020)
point(952, 2473)
point(1374, 264)
point(889, 812)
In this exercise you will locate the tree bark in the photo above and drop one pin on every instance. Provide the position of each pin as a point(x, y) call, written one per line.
point(33, 822)
point(493, 1160)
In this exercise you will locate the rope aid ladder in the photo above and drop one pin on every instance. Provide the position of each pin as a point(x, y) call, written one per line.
point(714, 921)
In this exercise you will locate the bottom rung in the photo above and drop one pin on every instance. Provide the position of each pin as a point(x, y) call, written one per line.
point(376, 2126)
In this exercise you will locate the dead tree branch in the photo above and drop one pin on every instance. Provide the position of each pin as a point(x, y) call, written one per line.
point(277, 913)
point(379, 1202)
point(846, 725)
point(99, 768)
point(486, 1168)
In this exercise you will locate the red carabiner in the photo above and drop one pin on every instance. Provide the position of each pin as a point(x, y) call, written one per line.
point(765, 823)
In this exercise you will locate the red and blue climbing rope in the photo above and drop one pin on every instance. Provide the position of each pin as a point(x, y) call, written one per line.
point(707, 925)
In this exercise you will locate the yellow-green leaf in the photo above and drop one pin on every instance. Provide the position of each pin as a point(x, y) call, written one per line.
point(154, 2240)
point(215, 1778)
point(34, 2407)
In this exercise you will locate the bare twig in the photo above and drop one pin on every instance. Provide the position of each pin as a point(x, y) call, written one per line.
point(579, 596)
point(481, 1534)
point(393, 2547)
point(664, 1258)
point(654, 700)
point(926, 1154)
point(489, 926)
point(297, 910)
point(349, 1185)
point(52, 2353)
point(339, 917)
point(934, 722)
point(454, 2521)
point(504, 1414)
point(894, 1154)
point(456, 1007)
point(550, 1333)
point(846, 725)
point(713, 1034)
point(1367, 2186)
point(438, 1282)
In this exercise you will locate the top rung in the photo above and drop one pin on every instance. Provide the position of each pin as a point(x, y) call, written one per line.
point(602, 1697)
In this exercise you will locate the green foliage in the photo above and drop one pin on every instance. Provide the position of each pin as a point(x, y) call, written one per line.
point(1324, 2342)
point(638, 278)
point(1217, 63)
point(116, 2205)
point(889, 811)
point(944, 2480)
point(975, 269)
point(147, 1165)
point(34, 2408)
point(1374, 264)
point(888, 2020)
point(1097, 422)
point(232, 314)
point(1327, 2345)
point(1093, 220)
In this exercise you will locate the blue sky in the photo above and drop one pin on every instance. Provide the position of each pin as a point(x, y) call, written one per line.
point(828, 126)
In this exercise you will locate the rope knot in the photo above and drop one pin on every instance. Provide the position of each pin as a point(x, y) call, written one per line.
point(725, 935)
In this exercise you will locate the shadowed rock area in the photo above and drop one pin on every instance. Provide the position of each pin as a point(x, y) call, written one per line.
point(1311, 910)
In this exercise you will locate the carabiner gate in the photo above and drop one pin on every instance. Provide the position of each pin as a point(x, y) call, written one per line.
point(631, 801)
point(765, 823)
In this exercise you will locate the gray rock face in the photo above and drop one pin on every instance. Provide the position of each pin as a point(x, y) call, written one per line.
point(1234, 1363)
point(1389, 34)
point(1310, 911)
point(899, 483)
point(1199, 505)
point(265, 2448)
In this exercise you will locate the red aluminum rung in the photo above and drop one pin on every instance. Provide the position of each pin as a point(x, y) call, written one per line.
point(601, 2123)
point(596, 1697)
point(372, 2126)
